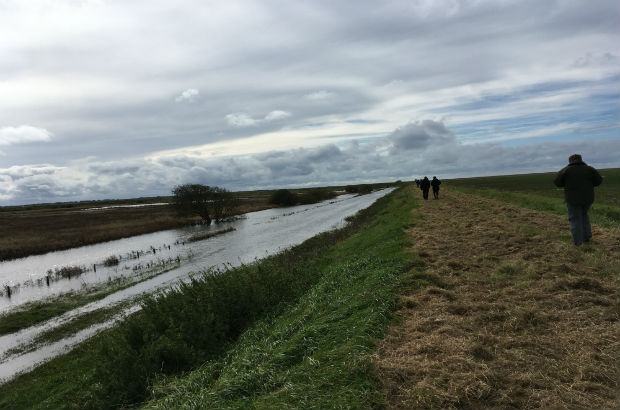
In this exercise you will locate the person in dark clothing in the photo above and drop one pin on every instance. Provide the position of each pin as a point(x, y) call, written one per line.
point(425, 186)
point(578, 180)
point(435, 184)
point(417, 183)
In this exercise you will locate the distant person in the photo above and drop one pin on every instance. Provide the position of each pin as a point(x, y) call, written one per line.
point(425, 186)
point(578, 180)
point(435, 184)
point(417, 183)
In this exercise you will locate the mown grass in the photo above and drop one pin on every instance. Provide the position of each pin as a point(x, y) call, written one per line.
point(518, 317)
point(537, 191)
point(303, 321)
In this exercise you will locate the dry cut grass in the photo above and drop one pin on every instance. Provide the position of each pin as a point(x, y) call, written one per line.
point(518, 317)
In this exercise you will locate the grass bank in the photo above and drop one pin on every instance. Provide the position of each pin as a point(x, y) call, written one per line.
point(295, 330)
point(537, 191)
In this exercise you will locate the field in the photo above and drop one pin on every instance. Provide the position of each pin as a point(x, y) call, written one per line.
point(36, 229)
point(476, 300)
point(537, 191)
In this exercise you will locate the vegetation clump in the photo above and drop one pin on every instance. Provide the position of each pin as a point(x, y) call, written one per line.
point(283, 197)
point(66, 272)
point(210, 203)
point(207, 235)
point(111, 261)
point(313, 196)
point(361, 189)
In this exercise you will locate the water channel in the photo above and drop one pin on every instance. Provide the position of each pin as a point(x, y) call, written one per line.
point(256, 235)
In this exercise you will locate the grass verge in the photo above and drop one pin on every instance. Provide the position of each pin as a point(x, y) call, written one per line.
point(304, 321)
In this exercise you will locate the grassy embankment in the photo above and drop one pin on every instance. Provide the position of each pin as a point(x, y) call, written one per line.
point(537, 191)
point(105, 222)
point(293, 331)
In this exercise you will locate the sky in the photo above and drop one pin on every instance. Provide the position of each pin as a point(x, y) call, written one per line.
point(130, 98)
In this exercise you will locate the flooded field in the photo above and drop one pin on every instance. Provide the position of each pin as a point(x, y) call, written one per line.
point(139, 260)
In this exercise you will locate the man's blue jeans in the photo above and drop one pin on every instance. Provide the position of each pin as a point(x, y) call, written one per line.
point(579, 223)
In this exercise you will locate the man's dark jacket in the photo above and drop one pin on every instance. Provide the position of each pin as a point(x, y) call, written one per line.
point(425, 184)
point(578, 180)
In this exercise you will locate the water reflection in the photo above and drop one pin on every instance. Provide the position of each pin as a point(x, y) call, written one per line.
point(256, 235)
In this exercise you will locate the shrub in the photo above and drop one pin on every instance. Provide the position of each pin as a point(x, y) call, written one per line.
point(111, 261)
point(316, 195)
point(283, 197)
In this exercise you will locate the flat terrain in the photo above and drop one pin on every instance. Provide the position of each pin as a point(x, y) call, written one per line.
point(518, 317)
point(476, 300)
point(40, 229)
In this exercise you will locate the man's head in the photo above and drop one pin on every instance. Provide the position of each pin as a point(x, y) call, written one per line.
point(575, 159)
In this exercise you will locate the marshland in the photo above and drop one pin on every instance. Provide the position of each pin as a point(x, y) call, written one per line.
point(476, 300)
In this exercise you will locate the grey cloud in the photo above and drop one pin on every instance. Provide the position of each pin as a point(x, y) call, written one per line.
point(188, 95)
point(111, 93)
point(325, 165)
point(245, 120)
point(419, 135)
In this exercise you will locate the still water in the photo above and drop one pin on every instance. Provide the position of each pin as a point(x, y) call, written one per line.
point(255, 236)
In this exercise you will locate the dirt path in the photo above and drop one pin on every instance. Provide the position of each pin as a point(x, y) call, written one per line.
point(515, 315)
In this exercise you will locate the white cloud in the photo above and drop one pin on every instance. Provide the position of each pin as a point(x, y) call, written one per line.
point(188, 95)
point(23, 134)
point(277, 115)
point(241, 119)
point(319, 95)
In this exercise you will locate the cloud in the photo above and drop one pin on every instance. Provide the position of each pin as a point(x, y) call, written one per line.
point(319, 95)
point(293, 77)
point(420, 135)
point(328, 164)
point(277, 115)
point(241, 120)
point(188, 95)
point(23, 134)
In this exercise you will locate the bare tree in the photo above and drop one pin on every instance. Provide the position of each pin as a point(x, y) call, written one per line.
point(210, 203)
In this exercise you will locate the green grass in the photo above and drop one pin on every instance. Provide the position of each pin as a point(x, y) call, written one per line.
point(315, 353)
point(537, 191)
point(294, 330)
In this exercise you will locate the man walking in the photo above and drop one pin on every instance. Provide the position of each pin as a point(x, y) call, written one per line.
point(435, 184)
point(578, 180)
point(424, 186)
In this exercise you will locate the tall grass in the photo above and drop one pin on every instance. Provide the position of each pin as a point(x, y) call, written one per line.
point(313, 353)
point(201, 321)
